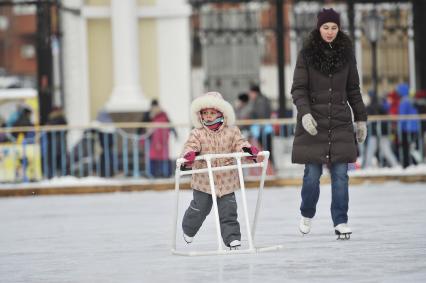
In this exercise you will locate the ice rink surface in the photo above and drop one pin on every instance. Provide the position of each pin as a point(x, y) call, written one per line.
point(125, 237)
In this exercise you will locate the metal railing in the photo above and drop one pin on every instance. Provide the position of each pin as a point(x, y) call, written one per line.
point(141, 150)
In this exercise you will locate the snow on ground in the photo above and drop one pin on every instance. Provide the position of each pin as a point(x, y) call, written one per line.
point(125, 237)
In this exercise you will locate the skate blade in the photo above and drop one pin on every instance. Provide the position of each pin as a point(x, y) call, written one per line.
point(343, 236)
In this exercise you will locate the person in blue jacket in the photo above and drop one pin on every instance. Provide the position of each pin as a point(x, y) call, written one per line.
point(409, 128)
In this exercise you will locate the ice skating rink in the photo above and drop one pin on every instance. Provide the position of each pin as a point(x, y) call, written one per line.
point(125, 237)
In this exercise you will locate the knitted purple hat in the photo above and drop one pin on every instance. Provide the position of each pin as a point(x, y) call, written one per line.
point(328, 16)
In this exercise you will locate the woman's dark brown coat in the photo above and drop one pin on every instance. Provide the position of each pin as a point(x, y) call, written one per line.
point(326, 84)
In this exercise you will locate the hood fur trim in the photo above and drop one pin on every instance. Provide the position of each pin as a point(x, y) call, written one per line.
point(212, 100)
point(326, 59)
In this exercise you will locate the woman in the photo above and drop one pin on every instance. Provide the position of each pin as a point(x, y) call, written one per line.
point(325, 81)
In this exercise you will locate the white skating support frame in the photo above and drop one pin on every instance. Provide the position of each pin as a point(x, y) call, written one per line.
point(250, 232)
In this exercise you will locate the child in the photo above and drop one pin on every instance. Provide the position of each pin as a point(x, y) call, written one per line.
point(213, 119)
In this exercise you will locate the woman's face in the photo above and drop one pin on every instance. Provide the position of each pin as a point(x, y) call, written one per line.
point(210, 114)
point(329, 31)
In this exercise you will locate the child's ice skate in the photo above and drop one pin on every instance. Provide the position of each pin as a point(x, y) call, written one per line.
point(187, 238)
point(235, 245)
point(343, 231)
point(305, 225)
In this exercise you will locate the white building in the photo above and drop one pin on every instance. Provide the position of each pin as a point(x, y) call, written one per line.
point(121, 54)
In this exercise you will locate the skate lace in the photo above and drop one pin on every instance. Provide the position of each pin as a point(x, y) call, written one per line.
point(307, 221)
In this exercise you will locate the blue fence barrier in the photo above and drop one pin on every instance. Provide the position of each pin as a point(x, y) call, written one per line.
point(120, 151)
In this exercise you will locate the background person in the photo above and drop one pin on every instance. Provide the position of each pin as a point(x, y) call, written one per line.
point(105, 132)
point(261, 109)
point(378, 140)
point(409, 128)
point(56, 143)
point(159, 142)
point(242, 111)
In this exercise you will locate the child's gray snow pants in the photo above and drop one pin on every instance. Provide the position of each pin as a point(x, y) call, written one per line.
point(201, 206)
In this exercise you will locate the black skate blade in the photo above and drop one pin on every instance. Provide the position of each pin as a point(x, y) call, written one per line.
point(338, 233)
point(343, 236)
point(234, 248)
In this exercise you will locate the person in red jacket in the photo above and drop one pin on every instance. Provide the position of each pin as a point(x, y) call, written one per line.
point(159, 142)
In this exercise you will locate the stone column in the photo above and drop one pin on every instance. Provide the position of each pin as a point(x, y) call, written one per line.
point(127, 95)
point(77, 98)
point(174, 61)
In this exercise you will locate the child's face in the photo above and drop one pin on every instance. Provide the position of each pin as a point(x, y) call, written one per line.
point(210, 114)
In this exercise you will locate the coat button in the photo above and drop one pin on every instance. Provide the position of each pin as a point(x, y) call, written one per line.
point(327, 156)
point(329, 89)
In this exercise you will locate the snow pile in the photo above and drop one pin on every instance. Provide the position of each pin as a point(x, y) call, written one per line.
point(291, 172)
point(396, 171)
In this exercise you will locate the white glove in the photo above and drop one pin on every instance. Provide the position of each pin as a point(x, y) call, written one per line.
point(309, 124)
point(361, 131)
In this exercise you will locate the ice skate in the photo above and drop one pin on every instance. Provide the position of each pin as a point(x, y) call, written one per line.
point(235, 245)
point(343, 231)
point(187, 238)
point(305, 225)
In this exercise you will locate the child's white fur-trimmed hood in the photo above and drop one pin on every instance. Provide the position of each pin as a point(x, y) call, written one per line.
point(214, 100)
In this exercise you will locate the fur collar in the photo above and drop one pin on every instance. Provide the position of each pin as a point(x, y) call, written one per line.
point(326, 59)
